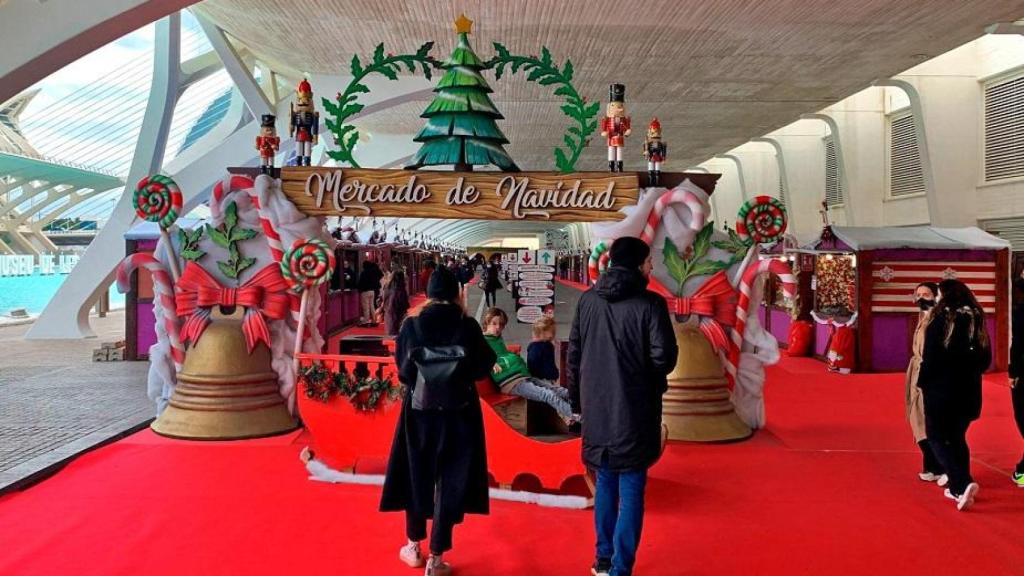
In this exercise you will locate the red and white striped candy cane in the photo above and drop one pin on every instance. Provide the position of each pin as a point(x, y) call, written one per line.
point(676, 196)
point(276, 248)
point(163, 288)
point(234, 182)
point(755, 269)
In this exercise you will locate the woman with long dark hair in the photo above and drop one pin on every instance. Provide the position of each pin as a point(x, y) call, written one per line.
point(956, 353)
point(394, 302)
point(438, 465)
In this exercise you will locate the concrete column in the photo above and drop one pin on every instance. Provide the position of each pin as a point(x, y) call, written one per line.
point(67, 314)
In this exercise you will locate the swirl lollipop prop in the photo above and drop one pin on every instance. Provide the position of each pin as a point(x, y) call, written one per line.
point(761, 220)
point(307, 265)
point(157, 198)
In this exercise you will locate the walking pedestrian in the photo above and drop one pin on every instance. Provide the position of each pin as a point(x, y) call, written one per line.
point(956, 353)
point(621, 350)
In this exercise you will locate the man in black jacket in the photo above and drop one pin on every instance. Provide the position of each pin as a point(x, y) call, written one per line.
point(621, 349)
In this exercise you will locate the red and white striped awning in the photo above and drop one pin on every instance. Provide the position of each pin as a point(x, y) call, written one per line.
point(894, 282)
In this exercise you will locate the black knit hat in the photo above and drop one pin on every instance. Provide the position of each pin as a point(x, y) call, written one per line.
point(629, 252)
point(443, 285)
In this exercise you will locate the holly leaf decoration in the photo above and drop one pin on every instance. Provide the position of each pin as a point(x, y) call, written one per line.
point(189, 240)
point(674, 262)
point(693, 263)
point(228, 235)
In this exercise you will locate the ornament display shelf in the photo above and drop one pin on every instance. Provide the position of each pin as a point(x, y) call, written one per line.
point(348, 439)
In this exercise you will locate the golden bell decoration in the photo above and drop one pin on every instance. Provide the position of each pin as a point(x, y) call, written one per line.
point(697, 405)
point(223, 392)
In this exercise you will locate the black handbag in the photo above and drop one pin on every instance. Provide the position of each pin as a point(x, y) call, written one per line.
point(439, 384)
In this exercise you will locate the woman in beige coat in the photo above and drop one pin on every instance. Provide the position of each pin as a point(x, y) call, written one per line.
point(932, 470)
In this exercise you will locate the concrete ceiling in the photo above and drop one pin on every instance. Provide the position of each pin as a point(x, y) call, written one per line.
point(716, 73)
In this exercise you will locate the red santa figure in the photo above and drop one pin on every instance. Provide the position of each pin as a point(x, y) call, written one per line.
point(654, 151)
point(305, 124)
point(615, 125)
point(268, 143)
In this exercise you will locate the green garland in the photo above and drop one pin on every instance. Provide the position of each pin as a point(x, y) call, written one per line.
point(365, 394)
point(346, 106)
point(545, 72)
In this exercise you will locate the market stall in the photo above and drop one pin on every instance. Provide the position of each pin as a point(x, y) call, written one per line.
point(872, 272)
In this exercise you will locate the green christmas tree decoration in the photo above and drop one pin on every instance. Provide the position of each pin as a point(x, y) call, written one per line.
point(461, 128)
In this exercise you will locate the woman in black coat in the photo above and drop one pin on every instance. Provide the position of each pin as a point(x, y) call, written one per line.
point(956, 353)
point(438, 464)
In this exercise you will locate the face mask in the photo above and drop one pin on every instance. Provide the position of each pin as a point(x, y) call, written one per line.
point(924, 303)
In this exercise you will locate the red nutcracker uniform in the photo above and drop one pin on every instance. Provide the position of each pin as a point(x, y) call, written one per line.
point(268, 143)
point(615, 126)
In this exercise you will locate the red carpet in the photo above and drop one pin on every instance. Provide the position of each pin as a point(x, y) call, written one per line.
point(829, 488)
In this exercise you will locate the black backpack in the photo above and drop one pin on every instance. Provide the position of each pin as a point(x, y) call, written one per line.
point(439, 382)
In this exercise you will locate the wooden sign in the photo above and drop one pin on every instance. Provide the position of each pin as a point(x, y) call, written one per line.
point(576, 197)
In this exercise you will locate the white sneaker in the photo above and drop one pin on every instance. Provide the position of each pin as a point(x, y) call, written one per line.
point(966, 499)
point(951, 496)
point(411, 555)
point(942, 481)
point(928, 476)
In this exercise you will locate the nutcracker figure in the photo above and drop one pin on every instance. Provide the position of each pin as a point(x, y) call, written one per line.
point(305, 124)
point(655, 152)
point(615, 125)
point(268, 143)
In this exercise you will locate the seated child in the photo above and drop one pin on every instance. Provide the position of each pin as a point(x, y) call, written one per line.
point(540, 354)
point(512, 375)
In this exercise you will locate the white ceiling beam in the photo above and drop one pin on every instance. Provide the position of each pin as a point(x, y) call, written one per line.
point(240, 74)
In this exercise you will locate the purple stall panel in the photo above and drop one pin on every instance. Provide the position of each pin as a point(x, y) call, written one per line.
point(890, 343)
point(145, 328)
point(780, 326)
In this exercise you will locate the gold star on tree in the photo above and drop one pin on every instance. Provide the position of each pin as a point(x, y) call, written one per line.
point(463, 25)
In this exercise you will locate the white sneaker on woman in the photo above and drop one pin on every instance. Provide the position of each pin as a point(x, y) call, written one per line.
point(411, 555)
point(966, 499)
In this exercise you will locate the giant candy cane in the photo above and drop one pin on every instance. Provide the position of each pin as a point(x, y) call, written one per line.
point(755, 269)
point(677, 196)
point(697, 205)
point(164, 290)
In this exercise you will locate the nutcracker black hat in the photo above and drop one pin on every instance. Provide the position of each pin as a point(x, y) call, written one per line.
point(268, 120)
point(617, 93)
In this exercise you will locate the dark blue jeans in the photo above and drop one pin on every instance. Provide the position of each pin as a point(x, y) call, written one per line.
point(619, 516)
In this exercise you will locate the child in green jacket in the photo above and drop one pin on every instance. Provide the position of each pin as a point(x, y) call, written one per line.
point(512, 375)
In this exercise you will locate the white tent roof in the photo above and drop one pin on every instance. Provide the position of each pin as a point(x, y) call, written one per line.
point(862, 238)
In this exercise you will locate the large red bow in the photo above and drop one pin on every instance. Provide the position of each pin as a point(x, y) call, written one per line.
point(265, 295)
point(714, 302)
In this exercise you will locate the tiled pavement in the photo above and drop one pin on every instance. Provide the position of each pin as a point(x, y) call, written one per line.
point(56, 402)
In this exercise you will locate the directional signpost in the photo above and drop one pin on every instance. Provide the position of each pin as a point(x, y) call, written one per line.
point(536, 285)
